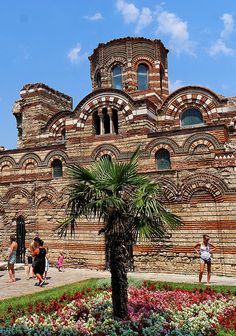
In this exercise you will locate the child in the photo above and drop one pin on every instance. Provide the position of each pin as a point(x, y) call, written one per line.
point(60, 262)
point(28, 263)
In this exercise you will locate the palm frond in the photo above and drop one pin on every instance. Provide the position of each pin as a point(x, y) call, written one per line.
point(115, 192)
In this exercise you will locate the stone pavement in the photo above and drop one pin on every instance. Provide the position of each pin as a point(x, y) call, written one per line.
point(56, 278)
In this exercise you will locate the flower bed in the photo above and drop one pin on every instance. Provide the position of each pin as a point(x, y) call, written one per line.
point(151, 312)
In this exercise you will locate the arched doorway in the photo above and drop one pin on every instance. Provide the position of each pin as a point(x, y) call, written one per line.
point(20, 238)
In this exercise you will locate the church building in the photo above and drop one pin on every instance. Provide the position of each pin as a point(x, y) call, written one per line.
point(187, 142)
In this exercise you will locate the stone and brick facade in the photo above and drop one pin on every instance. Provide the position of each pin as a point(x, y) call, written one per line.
point(187, 141)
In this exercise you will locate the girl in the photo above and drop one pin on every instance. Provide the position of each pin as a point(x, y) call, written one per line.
point(205, 248)
point(60, 262)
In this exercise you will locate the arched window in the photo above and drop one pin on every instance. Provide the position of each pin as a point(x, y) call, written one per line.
point(116, 72)
point(98, 80)
point(163, 159)
point(190, 117)
point(63, 134)
point(56, 168)
point(142, 77)
point(106, 120)
point(115, 121)
point(96, 123)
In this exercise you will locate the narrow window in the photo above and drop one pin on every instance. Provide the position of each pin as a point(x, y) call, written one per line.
point(96, 123)
point(63, 134)
point(115, 120)
point(142, 77)
point(163, 159)
point(161, 78)
point(117, 77)
point(190, 117)
point(98, 80)
point(106, 120)
point(56, 168)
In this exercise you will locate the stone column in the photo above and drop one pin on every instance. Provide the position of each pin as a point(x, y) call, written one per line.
point(109, 112)
point(100, 114)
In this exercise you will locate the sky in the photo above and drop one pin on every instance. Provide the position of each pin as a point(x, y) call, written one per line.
point(50, 41)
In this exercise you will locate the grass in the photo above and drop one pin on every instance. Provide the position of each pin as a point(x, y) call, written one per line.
point(45, 295)
point(50, 294)
point(188, 286)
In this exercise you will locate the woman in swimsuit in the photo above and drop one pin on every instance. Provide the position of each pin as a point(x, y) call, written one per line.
point(204, 249)
point(12, 259)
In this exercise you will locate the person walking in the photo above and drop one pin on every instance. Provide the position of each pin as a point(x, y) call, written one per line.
point(39, 255)
point(205, 248)
point(11, 258)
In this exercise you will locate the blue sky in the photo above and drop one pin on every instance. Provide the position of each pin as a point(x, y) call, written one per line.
point(49, 41)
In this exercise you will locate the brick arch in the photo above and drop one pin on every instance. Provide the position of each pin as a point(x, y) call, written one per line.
point(20, 191)
point(109, 149)
point(56, 128)
point(21, 214)
point(29, 164)
point(142, 59)
point(159, 143)
point(200, 98)
point(7, 160)
point(201, 139)
point(169, 188)
point(196, 91)
point(31, 157)
point(45, 203)
point(5, 164)
point(114, 61)
point(112, 99)
point(53, 120)
point(48, 194)
point(215, 186)
point(55, 155)
point(64, 192)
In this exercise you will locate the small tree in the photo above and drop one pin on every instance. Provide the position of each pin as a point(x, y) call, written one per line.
point(128, 203)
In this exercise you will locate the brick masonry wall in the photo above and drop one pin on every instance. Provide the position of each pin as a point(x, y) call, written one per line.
point(200, 186)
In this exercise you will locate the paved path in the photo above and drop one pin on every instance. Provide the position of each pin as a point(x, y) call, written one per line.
point(23, 286)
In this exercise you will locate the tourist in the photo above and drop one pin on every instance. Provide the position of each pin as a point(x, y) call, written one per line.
point(39, 255)
point(29, 262)
point(60, 262)
point(46, 264)
point(205, 249)
point(33, 246)
point(11, 258)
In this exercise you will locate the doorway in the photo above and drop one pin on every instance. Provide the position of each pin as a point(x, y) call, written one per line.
point(20, 239)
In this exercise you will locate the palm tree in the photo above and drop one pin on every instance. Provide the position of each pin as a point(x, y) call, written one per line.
point(128, 204)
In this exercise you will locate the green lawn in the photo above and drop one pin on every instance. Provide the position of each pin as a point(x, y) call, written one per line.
point(45, 296)
point(55, 293)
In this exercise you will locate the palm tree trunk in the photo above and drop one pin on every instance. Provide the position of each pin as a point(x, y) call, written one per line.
point(119, 280)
